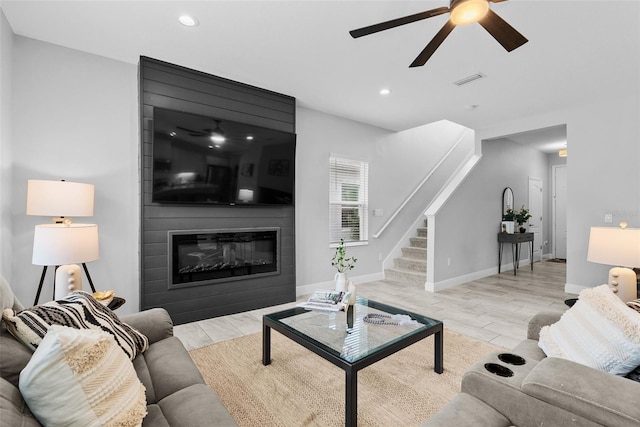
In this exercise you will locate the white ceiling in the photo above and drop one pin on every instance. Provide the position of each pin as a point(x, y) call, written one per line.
point(578, 52)
point(548, 140)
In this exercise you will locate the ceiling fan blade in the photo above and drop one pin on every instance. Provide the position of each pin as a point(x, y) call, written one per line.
point(433, 45)
point(371, 29)
point(191, 131)
point(504, 33)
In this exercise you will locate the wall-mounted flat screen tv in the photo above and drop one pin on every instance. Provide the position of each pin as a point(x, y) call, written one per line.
point(211, 161)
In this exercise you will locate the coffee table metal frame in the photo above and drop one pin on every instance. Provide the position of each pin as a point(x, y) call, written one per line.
point(431, 327)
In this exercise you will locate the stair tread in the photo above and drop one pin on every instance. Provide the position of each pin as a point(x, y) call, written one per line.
point(405, 271)
point(404, 258)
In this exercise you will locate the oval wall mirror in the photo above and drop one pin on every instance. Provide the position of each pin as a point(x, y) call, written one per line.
point(507, 199)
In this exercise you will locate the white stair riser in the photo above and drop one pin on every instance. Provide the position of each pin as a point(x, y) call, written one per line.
point(417, 265)
point(404, 276)
point(418, 242)
point(415, 253)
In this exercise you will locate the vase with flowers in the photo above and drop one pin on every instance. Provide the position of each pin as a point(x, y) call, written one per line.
point(508, 221)
point(521, 217)
point(342, 263)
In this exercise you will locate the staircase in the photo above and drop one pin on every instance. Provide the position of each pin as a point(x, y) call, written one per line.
point(411, 268)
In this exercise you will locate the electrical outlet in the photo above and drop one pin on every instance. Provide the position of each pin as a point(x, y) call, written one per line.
point(608, 218)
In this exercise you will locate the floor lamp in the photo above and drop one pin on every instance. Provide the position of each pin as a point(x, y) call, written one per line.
point(65, 245)
point(619, 247)
point(62, 200)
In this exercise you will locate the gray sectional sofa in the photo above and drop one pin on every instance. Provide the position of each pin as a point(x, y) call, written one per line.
point(175, 390)
point(542, 391)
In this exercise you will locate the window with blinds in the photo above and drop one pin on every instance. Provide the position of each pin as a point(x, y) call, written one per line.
point(348, 200)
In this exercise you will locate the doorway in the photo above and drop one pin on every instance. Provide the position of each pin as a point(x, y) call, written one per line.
point(537, 217)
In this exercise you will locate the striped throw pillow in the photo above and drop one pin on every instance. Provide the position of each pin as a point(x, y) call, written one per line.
point(79, 310)
point(635, 304)
point(80, 377)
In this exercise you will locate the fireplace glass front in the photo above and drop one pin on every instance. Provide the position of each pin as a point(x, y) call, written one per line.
point(210, 256)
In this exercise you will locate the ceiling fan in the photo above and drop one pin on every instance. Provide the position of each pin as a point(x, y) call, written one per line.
point(462, 12)
point(216, 135)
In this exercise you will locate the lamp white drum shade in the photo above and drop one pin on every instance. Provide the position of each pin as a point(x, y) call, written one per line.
point(614, 246)
point(59, 244)
point(59, 198)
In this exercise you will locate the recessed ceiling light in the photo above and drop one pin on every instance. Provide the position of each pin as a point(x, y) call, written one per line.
point(385, 91)
point(188, 21)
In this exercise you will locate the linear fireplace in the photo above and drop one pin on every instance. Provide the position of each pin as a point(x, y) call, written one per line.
point(203, 257)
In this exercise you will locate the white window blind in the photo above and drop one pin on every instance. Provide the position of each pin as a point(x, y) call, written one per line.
point(348, 199)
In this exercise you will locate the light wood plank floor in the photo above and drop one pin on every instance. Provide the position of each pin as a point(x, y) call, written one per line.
point(495, 309)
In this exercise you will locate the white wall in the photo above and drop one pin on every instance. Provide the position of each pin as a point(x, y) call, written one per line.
point(75, 117)
point(466, 227)
point(6, 223)
point(397, 163)
point(602, 172)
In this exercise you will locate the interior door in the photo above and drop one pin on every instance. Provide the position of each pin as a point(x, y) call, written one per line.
point(559, 234)
point(536, 221)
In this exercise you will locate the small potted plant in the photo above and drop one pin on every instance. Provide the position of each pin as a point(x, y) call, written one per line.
point(343, 264)
point(522, 217)
point(509, 215)
point(508, 218)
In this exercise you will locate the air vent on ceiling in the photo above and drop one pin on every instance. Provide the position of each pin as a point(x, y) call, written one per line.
point(469, 79)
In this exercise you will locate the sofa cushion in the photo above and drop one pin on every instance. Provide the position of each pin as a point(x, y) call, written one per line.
point(608, 400)
point(78, 310)
point(83, 370)
point(7, 298)
point(465, 410)
point(13, 409)
point(195, 406)
point(165, 368)
point(599, 331)
point(14, 356)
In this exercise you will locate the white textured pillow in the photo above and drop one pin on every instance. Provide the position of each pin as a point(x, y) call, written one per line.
point(81, 377)
point(599, 331)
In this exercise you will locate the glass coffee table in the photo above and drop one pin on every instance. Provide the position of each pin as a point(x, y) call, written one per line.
point(352, 340)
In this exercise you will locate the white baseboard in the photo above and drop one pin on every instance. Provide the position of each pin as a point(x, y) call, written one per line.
point(310, 288)
point(455, 281)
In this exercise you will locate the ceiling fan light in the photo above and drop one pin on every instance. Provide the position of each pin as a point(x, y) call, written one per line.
point(468, 11)
point(188, 21)
point(218, 138)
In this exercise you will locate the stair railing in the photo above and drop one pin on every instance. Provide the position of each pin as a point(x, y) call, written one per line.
point(420, 185)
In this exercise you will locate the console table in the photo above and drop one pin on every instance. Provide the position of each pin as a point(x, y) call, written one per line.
point(515, 239)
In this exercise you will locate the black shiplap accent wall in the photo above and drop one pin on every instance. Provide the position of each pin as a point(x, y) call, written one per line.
point(178, 88)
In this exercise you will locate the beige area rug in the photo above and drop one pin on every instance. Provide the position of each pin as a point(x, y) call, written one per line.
point(300, 388)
